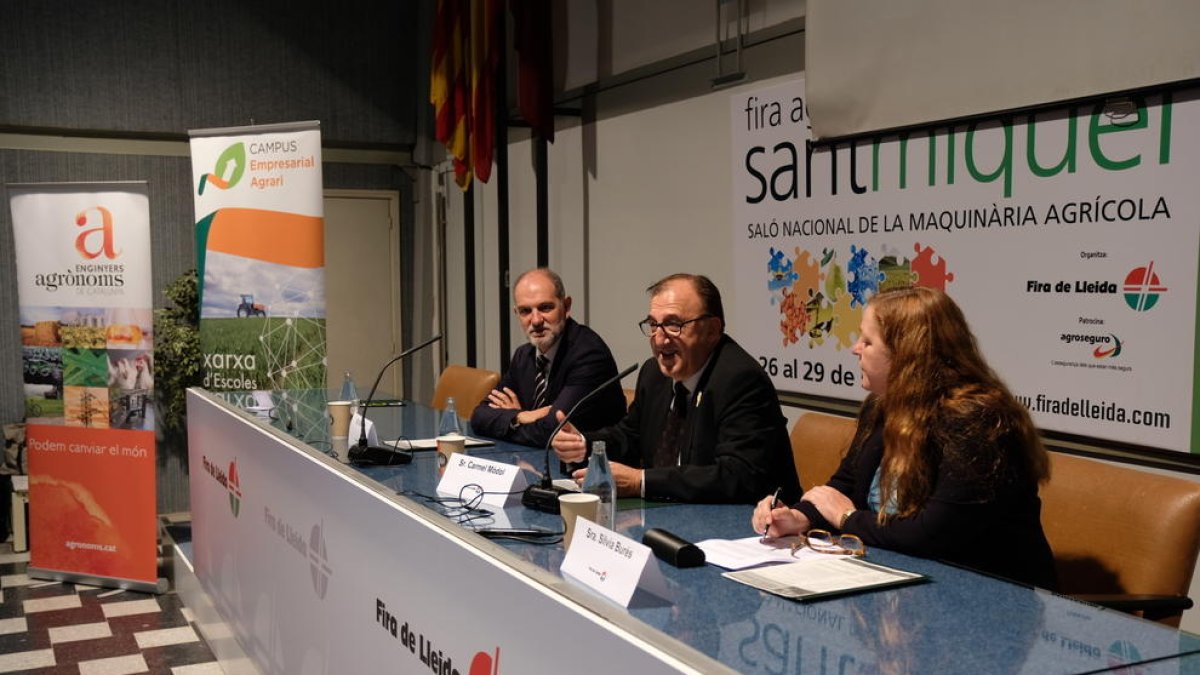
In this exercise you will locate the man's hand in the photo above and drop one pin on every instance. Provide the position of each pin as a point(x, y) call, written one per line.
point(505, 399)
point(568, 443)
point(627, 478)
point(531, 416)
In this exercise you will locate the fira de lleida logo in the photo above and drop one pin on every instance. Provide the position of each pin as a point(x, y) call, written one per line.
point(235, 489)
point(318, 560)
point(1143, 288)
point(229, 169)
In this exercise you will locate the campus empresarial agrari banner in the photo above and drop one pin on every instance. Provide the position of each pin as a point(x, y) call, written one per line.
point(1069, 237)
point(87, 345)
point(260, 248)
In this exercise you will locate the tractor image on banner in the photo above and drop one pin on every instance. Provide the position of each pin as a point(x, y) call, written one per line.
point(249, 307)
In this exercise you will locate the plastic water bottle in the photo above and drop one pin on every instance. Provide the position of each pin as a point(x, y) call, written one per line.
point(349, 391)
point(449, 423)
point(599, 481)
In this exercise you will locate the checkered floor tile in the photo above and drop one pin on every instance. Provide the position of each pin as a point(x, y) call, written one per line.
point(56, 627)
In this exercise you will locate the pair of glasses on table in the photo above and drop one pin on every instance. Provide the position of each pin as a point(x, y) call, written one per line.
point(824, 541)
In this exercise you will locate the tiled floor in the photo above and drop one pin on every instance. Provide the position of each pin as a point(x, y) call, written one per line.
point(55, 627)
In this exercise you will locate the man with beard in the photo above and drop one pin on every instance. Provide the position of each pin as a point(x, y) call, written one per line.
point(705, 424)
point(563, 361)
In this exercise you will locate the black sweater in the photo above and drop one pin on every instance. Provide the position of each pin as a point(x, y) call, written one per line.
point(984, 511)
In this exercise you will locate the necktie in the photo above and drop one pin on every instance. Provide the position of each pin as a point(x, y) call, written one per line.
point(539, 382)
point(667, 453)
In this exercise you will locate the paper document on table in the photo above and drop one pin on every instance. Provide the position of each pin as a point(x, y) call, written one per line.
point(431, 443)
point(737, 554)
point(822, 575)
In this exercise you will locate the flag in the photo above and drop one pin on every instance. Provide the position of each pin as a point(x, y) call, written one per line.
point(486, 42)
point(448, 84)
point(534, 46)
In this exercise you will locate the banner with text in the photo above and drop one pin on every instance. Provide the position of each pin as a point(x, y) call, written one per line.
point(1069, 238)
point(87, 347)
point(260, 249)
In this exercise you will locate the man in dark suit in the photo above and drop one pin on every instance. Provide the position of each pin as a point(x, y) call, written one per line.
point(563, 361)
point(705, 424)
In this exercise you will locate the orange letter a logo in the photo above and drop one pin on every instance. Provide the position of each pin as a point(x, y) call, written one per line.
point(107, 246)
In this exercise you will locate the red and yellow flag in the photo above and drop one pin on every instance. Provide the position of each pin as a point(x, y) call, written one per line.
point(448, 84)
point(486, 43)
point(466, 54)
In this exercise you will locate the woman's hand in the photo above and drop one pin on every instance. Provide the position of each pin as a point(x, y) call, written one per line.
point(781, 521)
point(831, 503)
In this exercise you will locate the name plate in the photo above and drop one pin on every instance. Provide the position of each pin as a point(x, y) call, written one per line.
point(612, 564)
point(466, 476)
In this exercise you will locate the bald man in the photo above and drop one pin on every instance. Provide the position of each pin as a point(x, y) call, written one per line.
point(561, 363)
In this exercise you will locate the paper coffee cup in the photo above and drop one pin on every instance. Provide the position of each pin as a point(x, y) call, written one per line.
point(341, 449)
point(339, 412)
point(572, 505)
point(448, 445)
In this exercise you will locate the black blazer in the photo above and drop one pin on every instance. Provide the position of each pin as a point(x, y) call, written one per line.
point(581, 362)
point(735, 440)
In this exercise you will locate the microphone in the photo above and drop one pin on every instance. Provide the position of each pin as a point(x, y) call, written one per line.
point(363, 452)
point(544, 496)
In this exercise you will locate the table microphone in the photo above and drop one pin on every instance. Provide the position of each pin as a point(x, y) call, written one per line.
point(365, 453)
point(543, 496)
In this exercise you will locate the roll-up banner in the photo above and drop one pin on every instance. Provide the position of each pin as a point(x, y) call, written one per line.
point(84, 288)
point(1069, 237)
point(260, 249)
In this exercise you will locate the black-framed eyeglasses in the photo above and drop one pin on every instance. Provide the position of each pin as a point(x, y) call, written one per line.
point(672, 328)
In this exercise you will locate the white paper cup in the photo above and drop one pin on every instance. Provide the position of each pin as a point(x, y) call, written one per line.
point(339, 412)
point(572, 505)
point(448, 445)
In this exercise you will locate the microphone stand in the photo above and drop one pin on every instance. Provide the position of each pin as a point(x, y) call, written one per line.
point(365, 453)
point(544, 496)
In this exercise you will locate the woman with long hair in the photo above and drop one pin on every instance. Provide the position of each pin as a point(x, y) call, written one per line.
point(945, 463)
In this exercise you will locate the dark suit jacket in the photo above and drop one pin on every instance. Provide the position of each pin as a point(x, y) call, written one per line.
point(735, 440)
point(581, 362)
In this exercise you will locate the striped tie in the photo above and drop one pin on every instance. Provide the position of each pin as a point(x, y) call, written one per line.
point(539, 382)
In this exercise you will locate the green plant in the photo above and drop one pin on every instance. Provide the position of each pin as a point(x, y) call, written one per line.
point(178, 362)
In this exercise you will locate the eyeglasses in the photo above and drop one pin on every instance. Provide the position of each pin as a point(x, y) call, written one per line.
point(672, 328)
point(823, 541)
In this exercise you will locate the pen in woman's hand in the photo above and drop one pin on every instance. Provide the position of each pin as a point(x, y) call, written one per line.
point(774, 505)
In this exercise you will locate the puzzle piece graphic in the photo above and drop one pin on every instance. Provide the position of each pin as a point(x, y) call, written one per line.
point(808, 271)
point(895, 274)
point(846, 320)
point(795, 317)
point(835, 278)
point(930, 274)
point(780, 275)
point(820, 318)
point(866, 276)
